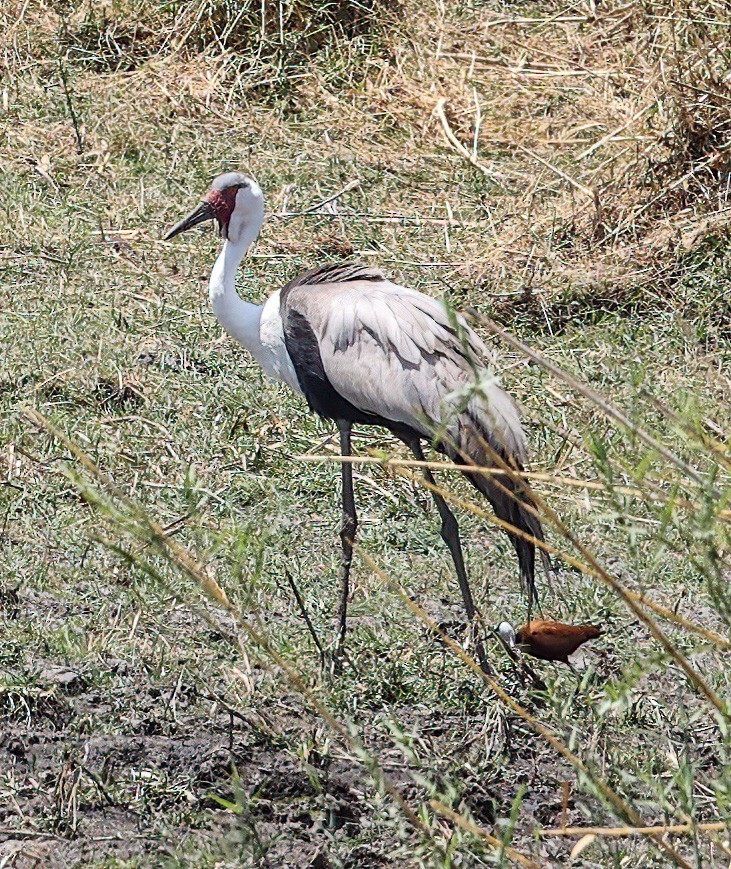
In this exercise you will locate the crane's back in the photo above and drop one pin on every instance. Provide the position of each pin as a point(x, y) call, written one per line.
point(394, 353)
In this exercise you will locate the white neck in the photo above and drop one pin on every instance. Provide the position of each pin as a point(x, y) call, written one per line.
point(258, 327)
point(238, 317)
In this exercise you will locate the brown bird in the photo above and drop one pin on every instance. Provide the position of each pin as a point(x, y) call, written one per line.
point(550, 641)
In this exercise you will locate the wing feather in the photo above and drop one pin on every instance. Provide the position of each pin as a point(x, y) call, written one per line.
point(399, 354)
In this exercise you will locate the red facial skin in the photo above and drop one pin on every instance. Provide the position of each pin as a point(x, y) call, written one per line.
point(222, 203)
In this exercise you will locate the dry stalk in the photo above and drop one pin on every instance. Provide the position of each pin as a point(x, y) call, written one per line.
point(481, 833)
point(582, 188)
point(470, 156)
point(719, 450)
point(611, 796)
point(192, 567)
point(613, 582)
point(607, 409)
point(661, 829)
point(538, 476)
point(402, 467)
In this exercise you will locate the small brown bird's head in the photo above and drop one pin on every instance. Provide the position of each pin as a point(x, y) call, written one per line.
point(506, 632)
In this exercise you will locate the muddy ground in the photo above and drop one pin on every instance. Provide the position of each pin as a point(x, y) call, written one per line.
point(107, 762)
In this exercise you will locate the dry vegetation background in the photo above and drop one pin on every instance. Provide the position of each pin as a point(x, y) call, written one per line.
point(561, 168)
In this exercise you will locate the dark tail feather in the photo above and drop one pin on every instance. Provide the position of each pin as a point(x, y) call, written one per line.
point(508, 503)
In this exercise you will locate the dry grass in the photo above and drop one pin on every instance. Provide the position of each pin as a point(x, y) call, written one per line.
point(562, 169)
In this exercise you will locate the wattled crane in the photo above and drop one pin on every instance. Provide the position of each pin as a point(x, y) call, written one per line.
point(361, 349)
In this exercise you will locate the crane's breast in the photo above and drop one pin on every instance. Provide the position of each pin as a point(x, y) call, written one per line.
point(271, 334)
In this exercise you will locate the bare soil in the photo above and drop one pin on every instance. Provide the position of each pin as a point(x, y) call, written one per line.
point(153, 788)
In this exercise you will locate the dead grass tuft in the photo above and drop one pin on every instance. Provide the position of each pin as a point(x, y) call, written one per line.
point(121, 36)
point(610, 125)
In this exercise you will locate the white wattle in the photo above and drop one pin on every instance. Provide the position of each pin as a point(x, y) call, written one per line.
point(257, 327)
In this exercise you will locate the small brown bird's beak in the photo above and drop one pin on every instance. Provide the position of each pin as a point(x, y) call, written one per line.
point(202, 213)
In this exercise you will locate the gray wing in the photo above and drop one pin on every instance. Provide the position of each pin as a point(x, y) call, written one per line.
point(396, 353)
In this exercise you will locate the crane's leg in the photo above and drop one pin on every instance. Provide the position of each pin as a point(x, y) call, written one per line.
point(450, 535)
point(347, 537)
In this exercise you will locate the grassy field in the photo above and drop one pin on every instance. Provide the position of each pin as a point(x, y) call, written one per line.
point(562, 169)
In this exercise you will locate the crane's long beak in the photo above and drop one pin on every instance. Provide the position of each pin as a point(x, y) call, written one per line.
point(199, 215)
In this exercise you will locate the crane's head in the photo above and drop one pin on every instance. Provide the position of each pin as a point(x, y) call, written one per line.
point(233, 200)
point(506, 632)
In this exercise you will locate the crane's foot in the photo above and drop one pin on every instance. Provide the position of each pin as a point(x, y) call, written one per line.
point(335, 663)
point(485, 665)
point(335, 656)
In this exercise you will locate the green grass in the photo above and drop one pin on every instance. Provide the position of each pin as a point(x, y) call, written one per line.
point(129, 761)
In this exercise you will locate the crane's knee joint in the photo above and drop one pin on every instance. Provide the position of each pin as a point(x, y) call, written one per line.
point(348, 529)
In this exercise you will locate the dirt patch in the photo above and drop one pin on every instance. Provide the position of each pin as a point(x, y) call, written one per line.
point(80, 798)
point(231, 785)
